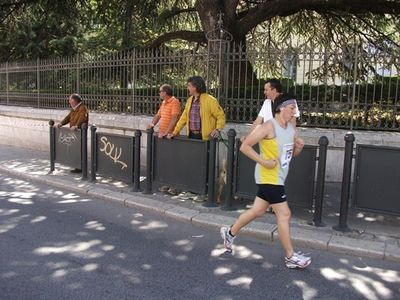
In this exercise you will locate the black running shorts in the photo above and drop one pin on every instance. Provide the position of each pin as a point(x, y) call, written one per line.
point(271, 193)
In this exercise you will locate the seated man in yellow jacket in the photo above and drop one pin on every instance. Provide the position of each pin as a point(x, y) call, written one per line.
point(78, 115)
point(203, 116)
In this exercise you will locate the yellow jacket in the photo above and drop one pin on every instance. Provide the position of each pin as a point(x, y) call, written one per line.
point(211, 113)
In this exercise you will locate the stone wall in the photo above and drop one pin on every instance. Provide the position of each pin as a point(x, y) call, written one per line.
point(28, 128)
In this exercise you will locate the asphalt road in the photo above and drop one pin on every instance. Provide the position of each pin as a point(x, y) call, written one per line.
point(60, 245)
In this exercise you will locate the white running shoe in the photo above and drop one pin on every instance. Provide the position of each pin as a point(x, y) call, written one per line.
point(298, 260)
point(228, 239)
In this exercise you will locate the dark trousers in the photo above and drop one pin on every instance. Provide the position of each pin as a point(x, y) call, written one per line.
point(196, 136)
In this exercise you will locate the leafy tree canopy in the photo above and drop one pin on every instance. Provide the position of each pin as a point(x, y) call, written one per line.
point(45, 28)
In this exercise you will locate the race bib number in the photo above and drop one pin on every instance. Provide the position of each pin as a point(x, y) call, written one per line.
point(287, 153)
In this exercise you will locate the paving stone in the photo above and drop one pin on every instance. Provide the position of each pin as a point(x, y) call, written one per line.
point(146, 203)
point(392, 252)
point(98, 192)
point(307, 238)
point(342, 244)
point(260, 230)
point(181, 213)
point(117, 197)
point(212, 220)
point(79, 187)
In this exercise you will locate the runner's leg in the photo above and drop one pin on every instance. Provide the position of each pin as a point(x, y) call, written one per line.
point(283, 214)
point(258, 210)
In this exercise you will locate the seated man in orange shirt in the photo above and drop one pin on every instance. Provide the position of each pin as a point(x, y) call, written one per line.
point(168, 112)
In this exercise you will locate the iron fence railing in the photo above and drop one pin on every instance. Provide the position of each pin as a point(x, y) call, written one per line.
point(355, 86)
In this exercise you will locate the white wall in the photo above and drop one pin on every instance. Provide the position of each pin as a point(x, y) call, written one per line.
point(28, 128)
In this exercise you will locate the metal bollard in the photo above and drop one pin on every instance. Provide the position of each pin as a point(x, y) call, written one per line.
point(84, 151)
point(344, 202)
point(229, 170)
point(52, 146)
point(136, 162)
point(149, 160)
point(211, 173)
point(93, 164)
point(319, 197)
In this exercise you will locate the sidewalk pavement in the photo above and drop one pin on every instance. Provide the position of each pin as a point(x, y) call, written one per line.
point(371, 235)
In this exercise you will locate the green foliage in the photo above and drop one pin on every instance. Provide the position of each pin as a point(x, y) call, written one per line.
point(41, 30)
point(44, 28)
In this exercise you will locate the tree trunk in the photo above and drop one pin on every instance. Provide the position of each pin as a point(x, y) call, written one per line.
point(210, 11)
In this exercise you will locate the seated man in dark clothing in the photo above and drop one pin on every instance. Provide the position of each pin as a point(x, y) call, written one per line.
point(78, 115)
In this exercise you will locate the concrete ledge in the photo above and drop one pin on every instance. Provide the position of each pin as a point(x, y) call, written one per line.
point(117, 197)
point(181, 213)
point(307, 238)
point(80, 186)
point(28, 127)
point(342, 244)
point(392, 252)
point(148, 204)
point(212, 220)
point(260, 230)
point(98, 192)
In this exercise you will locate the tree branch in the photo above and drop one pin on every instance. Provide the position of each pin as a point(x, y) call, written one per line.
point(354, 29)
point(5, 5)
point(191, 36)
point(3, 18)
point(175, 11)
point(230, 8)
point(376, 30)
point(268, 9)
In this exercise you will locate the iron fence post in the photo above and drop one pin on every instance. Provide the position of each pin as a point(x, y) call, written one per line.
point(94, 153)
point(38, 81)
point(78, 74)
point(84, 151)
point(354, 83)
point(136, 162)
point(149, 160)
point(211, 173)
point(229, 169)
point(52, 145)
point(133, 80)
point(7, 84)
point(346, 180)
point(319, 194)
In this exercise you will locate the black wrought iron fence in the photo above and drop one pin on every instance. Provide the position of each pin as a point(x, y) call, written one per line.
point(355, 86)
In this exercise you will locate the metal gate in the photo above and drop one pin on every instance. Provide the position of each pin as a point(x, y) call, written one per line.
point(68, 147)
point(114, 155)
point(182, 163)
point(377, 179)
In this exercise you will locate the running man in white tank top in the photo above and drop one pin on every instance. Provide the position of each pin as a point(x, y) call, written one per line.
point(278, 145)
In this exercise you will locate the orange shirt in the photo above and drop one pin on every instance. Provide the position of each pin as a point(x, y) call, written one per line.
point(168, 108)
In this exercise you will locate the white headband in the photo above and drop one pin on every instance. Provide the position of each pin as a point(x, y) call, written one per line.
point(287, 102)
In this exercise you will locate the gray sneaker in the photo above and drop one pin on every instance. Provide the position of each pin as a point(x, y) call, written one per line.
point(228, 239)
point(298, 260)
